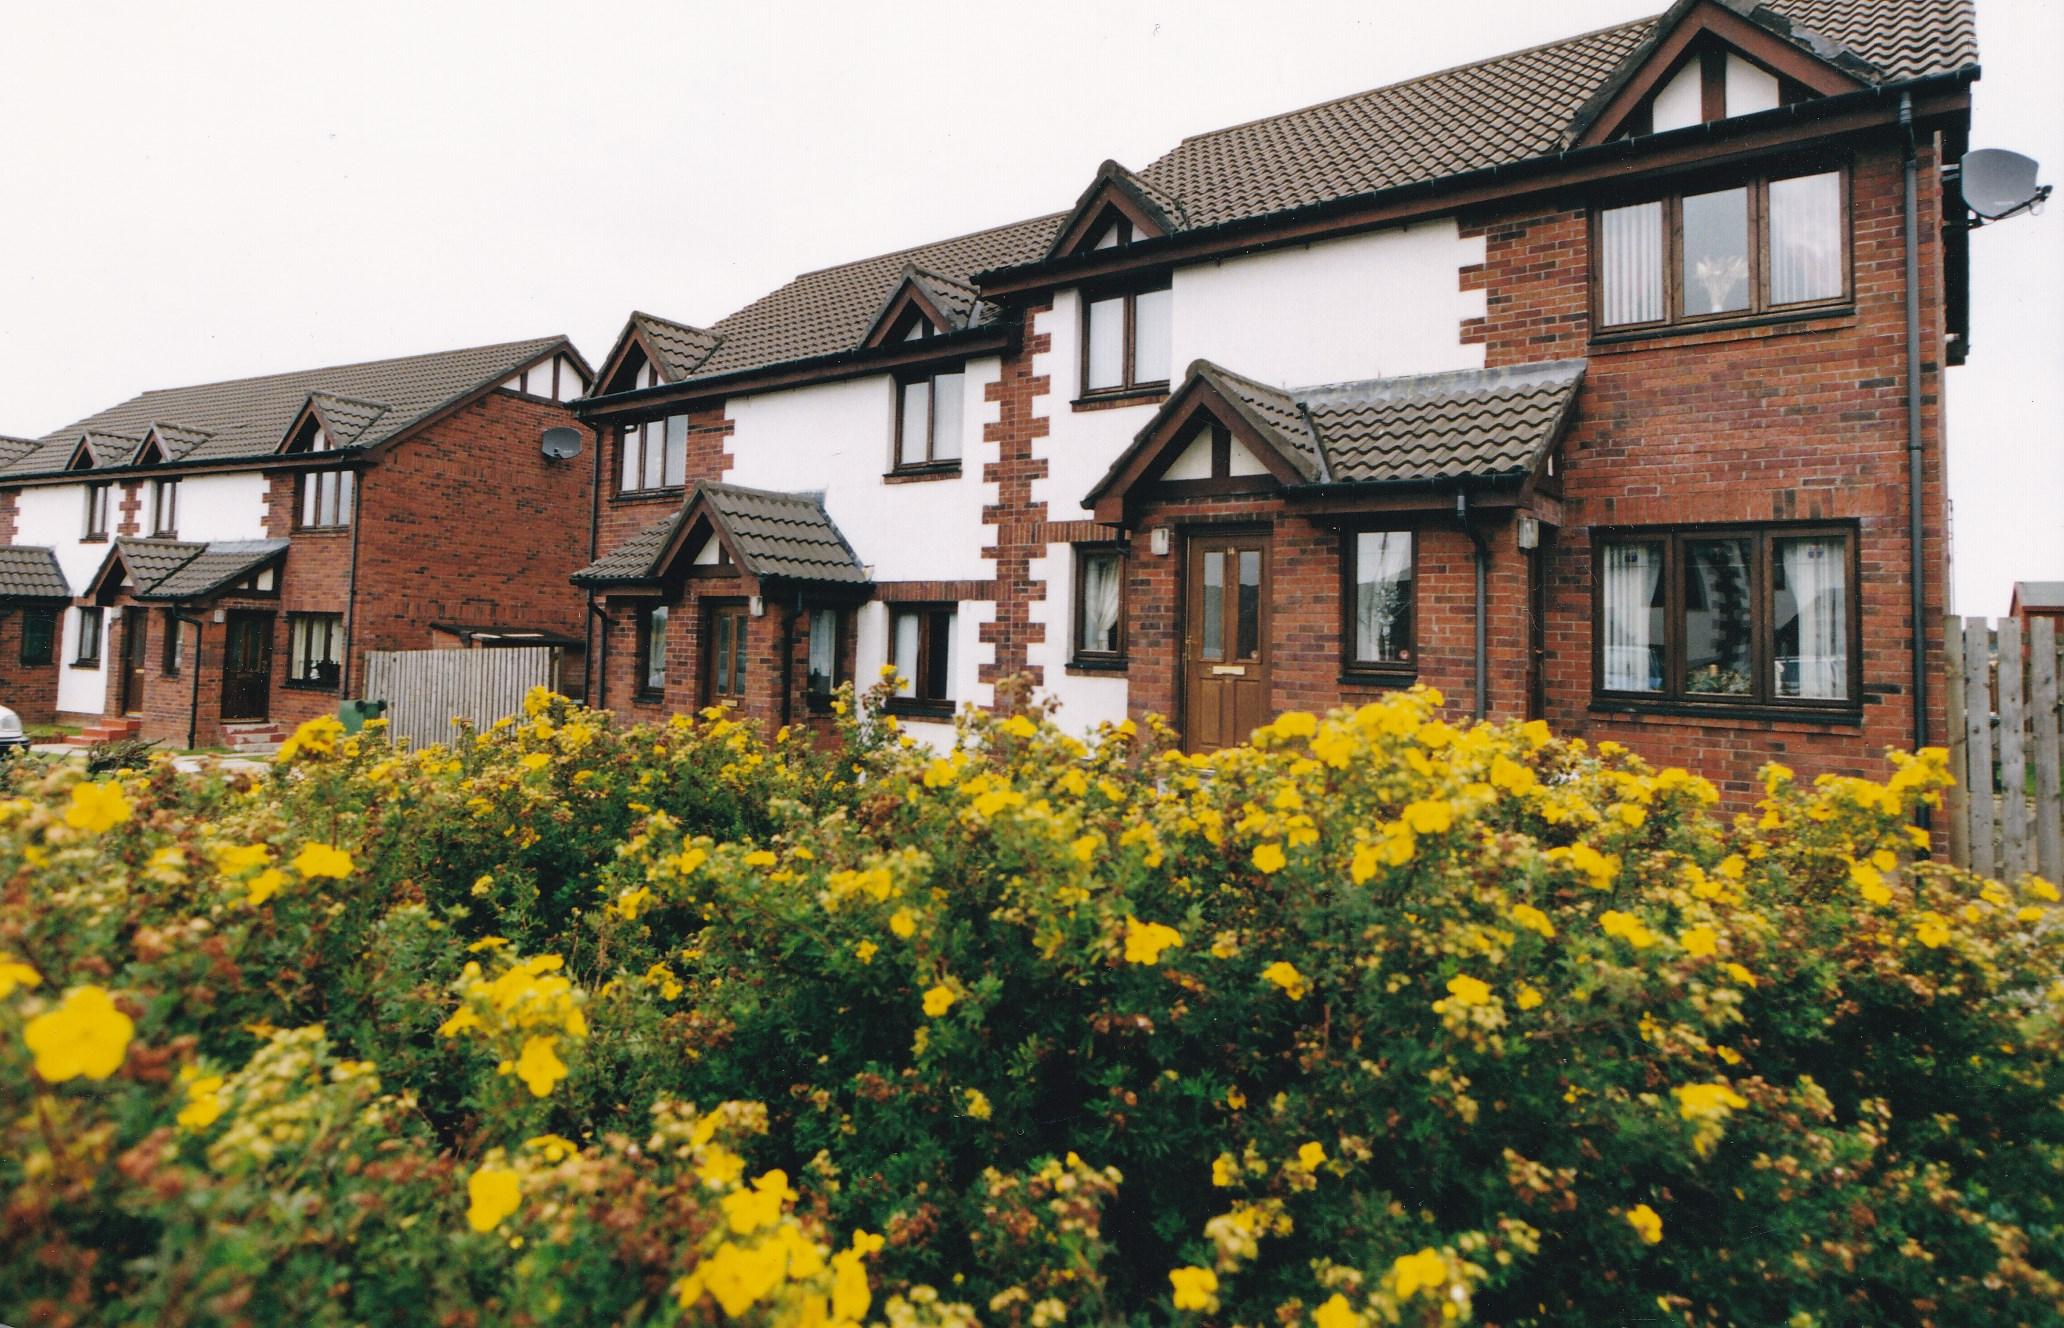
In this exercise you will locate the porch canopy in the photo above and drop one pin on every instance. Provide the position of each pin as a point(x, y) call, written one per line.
point(29, 574)
point(766, 538)
point(182, 571)
point(1395, 443)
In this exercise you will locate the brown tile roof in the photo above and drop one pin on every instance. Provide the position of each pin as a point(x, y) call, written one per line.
point(181, 569)
point(29, 571)
point(245, 418)
point(682, 349)
point(778, 536)
point(2039, 594)
point(346, 419)
point(176, 441)
point(1493, 112)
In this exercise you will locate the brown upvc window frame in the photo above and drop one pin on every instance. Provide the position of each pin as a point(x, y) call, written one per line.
point(643, 687)
point(1761, 700)
point(931, 695)
point(818, 699)
point(334, 494)
point(302, 629)
point(95, 617)
point(39, 646)
point(1761, 308)
point(1130, 383)
point(1353, 668)
point(726, 651)
point(170, 661)
point(1083, 655)
point(99, 498)
point(933, 463)
point(165, 508)
point(662, 433)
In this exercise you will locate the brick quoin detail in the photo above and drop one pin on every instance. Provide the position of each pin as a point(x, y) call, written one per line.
point(1017, 520)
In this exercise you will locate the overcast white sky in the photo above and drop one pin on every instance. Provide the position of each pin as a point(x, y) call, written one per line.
point(200, 191)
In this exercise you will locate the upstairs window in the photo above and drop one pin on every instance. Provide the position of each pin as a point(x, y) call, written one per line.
point(1755, 248)
point(327, 497)
point(1125, 341)
point(1745, 617)
point(921, 647)
point(165, 508)
point(654, 455)
point(97, 511)
point(1380, 567)
point(928, 420)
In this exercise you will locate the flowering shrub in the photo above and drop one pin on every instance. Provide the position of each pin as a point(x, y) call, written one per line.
point(1374, 1021)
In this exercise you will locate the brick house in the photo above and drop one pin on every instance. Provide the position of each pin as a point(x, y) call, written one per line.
point(212, 562)
point(1600, 382)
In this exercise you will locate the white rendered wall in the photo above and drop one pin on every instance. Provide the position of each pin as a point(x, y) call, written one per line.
point(54, 516)
point(221, 507)
point(1680, 102)
point(82, 691)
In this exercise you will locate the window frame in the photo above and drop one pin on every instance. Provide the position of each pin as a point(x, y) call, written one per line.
point(1761, 700)
point(1352, 667)
point(929, 614)
point(165, 507)
point(99, 496)
point(52, 619)
point(169, 660)
point(1131, 384)
point(643, 688)
point(841, 623)
point(1083, 656)
point(713, 660)
point(1760, 307)
point(97, 616)
point(299, 625)
point(645, 431)
point(344, 511)
point(931, 465)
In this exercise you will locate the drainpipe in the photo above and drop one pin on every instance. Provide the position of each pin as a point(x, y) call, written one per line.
point(351, 592)
point(597, 683)
point(788, 655)
point(193, 705)
point(1483, 564)
point(1916, 566)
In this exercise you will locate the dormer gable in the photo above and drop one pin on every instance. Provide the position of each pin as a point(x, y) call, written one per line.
point(1712, 60)
point(152, 453)
point(923, 304)
point(169, 442)
point(651, 351)
point(327, 422)
point(1117, 209)
point(1217, 431)
point(97, 450)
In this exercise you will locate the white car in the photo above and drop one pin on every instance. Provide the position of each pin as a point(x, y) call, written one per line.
point(12, 738)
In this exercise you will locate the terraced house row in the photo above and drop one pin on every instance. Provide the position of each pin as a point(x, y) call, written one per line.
point(1600, 382)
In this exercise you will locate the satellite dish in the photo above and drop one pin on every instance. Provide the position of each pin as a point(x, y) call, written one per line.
point(1997, 183)
point(561, 443)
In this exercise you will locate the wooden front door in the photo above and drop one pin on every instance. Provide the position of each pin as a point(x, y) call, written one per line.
point(1225, 642)
point(247, 666)
point(135, 645)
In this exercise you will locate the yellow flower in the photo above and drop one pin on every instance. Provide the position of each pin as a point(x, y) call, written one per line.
point(865, 951)
point(203, 1101)
point(2042, 889)
point(1412, 1273)
point(536, 761)
point(264, 886)
point(1526, 998)
point(97, 807)
point(1195, 1288)
point(1311, 1156)
point(85, 1035)
point(1932, 930)
point(555, 1147)
point(539, 1066)
point(749, 1210)
point(494, 1193)
point(1285, 975)
point(938, 1000)
point(1144, 941)
point(978, 1104)
point(760, 857)
point(1707, 1101)
point(1268, 858)
point(849, 1294)
point(1870, 882)
point(14, 973)
point(322, 860)
point(1699, 942)
point(1511, 776)
point(903, 924)
point(1533, 919)
point(1020, 727)
point(1428, 817)
point(1645, 1223)
point(1225, 1171)
point(1627, 927)
point(1741, 975)
point(1465, 991)
point(1336, 1313)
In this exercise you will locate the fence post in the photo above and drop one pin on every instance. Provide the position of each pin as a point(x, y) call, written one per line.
point(1978, 739)
point(2045, 714)
point(1959, 827)
point(2013, 719)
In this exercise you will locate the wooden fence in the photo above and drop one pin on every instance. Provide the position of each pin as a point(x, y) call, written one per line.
point(426, 689)
point(2006, 748)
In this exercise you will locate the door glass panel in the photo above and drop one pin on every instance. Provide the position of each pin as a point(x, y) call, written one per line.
point(1716, 252)
point(723, 654)
point(737, 655)
point(1249, 644)
point(1717, 624)
point(1214, 605)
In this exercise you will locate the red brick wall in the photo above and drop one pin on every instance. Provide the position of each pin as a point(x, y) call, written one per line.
point(779, 625)
point(28, 690)
point(1018, 521)
point(1782, 422)
point(619, 516)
